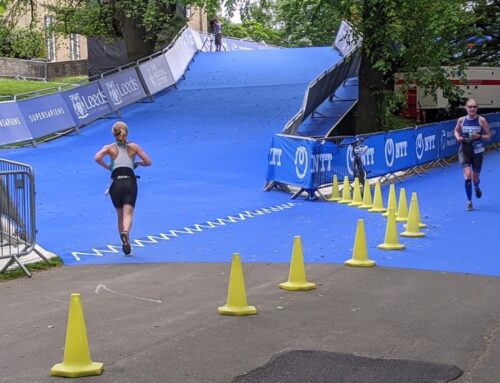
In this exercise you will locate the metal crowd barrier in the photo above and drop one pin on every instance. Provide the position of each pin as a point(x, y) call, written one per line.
point(17, 214)
point(23, 69)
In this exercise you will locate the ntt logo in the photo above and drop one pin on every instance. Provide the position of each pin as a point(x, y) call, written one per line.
point(301, 162)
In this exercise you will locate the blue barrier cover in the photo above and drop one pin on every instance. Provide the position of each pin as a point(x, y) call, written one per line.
point(399, 152)
point(13, 128)
point(87, 103)
point(156, 74)
point(494, 124)
point(426, 143)
point(448, 145)
point(123, 88)
point(46, 114)
point(290, 160)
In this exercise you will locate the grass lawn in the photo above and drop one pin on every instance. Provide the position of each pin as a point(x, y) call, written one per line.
point(11, 87)
point(32, 267)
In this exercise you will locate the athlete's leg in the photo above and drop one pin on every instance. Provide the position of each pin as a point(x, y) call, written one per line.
point(119, 214)
point(477, 164)
point(128, 213)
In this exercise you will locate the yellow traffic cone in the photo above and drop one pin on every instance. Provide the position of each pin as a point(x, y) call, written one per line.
point(391, 234)
point(359, 252)
point(420, 224)
point(391, 200)
point(76, 360)
point(412, 227)
point(378, 204)
point(356, 196)
point(297, 275)
point(402, 215)
point(335, 196)
point(346, 191)
point(236, 295)
point(367, 197)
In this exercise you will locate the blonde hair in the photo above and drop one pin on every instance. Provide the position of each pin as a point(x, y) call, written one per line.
point(469, 101)
point(120, 131)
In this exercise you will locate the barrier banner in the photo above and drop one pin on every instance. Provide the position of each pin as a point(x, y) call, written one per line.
point(13, 128)
point(188, 35)
point(177, 61)
point(87, 103)
point(156, 74)
point(123, 88)
point(399, 150)
point(290, 160)
point(494, 124)
point(46, 114)
point(197, 38)
point(329, 159)
point(347, 39)
point(374, 160)
point(426, 143)
point(448, 145)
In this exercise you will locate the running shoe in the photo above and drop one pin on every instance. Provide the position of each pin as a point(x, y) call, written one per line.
point(125, 243)
point(479, 193)
point(469, 206)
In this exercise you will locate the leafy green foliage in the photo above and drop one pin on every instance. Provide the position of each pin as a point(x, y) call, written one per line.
point(21, 43)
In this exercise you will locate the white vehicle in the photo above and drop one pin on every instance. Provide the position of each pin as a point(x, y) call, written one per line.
point(482, 84)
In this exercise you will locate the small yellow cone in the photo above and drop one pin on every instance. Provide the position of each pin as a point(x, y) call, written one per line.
point(236, 295)
point(346, 192)
point(76, 361)
point(412, 227)
point(297, 275)
point(420, 224)
point(335, 196)
point(402, 215)
point(356, 196)
point(391, 200)
point(391, 234)
point(367, 197)
point(359, 252)
point(378, 204)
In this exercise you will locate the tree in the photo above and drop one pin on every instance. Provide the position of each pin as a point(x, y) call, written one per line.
point(411, 37)
point(142, 24)
point(308, 22)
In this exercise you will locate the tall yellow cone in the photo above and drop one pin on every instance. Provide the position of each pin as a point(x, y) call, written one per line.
point(356, 196)
point(412, 227)
point(391, 200)
point(391, 234)
point(346, 191)
point(378, 204)
point(402, 215)
point(420, 224)
point(335, 196)
point(236, 295)
point(297, 275)
point(367, 197)
point(76, 361)
point(359, 252)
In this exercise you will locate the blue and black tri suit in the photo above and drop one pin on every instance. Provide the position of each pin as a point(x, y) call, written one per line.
point(470, 152)
point(123, 190)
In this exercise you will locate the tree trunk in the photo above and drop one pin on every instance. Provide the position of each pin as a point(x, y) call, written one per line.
point(137, 41)
point(371, 81)
point(370, 98)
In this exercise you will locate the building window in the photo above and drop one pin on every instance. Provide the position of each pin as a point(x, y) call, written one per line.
point(50, 38)
point(74, 46)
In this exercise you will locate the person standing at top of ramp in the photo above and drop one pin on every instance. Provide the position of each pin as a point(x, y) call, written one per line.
point(217, 28)
point(123, 188)
point(471, 132)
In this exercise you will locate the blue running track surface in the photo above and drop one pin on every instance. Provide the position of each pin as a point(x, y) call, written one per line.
point(203, 197)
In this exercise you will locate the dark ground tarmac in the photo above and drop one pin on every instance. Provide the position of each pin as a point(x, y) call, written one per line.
point(159, 322)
